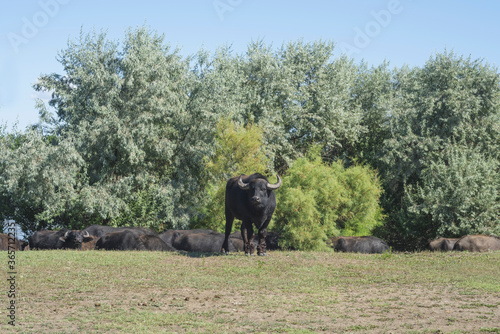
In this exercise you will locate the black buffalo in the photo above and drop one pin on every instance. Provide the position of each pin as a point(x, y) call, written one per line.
point(62, 239)
point(442, 244)
point(154, 243)
point(204, 242)
point(8, 242)
point(477, 243)
point(130, 240)
point(169, 236)
point(89, 242)
point(100, 230)
point(198, 240)
point(366, 244)
point(272, 241)
point(250, 199)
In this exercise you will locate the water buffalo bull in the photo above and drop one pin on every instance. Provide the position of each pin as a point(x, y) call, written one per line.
point(130, 240)
point(366, 244)
point(442, 244)
point(477, 243)
point(250, 199)
point(10, 243)
point(100, 230)
point(62, 239)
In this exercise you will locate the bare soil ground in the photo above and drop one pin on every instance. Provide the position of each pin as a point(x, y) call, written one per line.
point(114, 292)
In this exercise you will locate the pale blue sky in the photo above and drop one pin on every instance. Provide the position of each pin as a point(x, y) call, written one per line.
point(400, 31)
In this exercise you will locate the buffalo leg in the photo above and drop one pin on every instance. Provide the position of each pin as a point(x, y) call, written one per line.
point(229, 227)
point(261, 247)
point(247, 236)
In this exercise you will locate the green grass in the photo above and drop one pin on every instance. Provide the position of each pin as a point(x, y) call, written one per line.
point(285, 292)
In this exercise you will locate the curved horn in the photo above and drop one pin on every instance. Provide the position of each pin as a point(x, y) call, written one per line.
point(244, 186)
point(86, 234)
point(276, 185)
point(64, 237)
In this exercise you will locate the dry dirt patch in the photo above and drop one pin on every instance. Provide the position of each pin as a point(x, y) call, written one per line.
point(285, 292)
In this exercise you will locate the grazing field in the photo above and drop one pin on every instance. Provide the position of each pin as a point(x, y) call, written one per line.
point(285, 292)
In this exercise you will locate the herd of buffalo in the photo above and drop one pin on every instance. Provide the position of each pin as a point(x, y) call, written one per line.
point(208, 241)
point(101, 237)
point(250, 199)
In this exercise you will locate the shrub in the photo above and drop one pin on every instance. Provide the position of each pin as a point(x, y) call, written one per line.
point(319, 200)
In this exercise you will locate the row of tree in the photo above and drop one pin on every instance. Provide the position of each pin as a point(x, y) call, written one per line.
point(136, 134)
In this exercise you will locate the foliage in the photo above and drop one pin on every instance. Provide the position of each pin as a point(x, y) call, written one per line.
point(373, 93)
point(238, 151)
point(136, 134)
point(39, 181)
point(128, 111)
point(459, 194)
point(300, 96)
point(362, 211)
point(318, 200)
point(450, 102)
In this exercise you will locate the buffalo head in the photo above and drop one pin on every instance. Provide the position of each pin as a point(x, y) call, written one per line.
point(74, 238)
point(258, 190)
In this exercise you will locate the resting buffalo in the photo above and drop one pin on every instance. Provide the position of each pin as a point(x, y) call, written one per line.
point(10, 243)
point(198, 240)
point(170, 235)
point(62, 239)
point(477, 243)
point(130, 240)
point(89, 242)
point(272, 239)
point(154, 243)
point(367, 244)
point(100, 230)
point(250, 199)
point(442, 244)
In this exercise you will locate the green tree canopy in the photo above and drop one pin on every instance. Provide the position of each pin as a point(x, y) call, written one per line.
point(131, 116)
point(450, 101)
point(39, 181)
point(458, 195)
